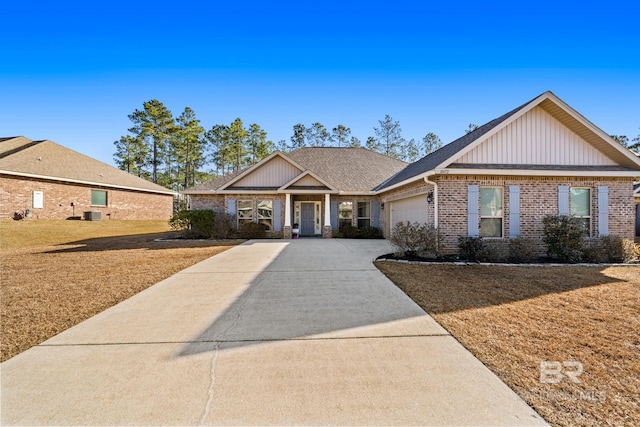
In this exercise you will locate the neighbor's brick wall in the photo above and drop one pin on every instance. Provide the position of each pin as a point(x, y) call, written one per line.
point(538, 198)
point(16, 194)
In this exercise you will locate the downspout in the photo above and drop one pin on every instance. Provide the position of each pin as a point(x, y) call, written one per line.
point(435, 199)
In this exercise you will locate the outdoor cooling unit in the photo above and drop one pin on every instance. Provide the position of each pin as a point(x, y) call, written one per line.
point(93, 216)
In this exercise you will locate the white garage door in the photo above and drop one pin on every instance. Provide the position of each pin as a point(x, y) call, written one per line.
point(413, 209)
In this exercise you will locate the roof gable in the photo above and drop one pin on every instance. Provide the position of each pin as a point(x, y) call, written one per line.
point(272, 172)
point(307, 181)
point(535, 138)
point(503, 138)
point(337, 169)
point(47, 160)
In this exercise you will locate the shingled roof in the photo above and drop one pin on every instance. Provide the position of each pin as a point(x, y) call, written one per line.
point(351, 170)
point(20, 156)
point(432, 160)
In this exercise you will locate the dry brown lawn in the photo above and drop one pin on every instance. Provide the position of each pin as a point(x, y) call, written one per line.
point(56, 274)
point(513, 318)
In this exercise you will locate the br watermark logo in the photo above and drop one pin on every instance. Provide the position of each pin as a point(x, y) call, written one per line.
point(553, 372)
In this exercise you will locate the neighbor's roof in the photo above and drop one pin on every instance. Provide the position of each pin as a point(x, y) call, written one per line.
point(350, 170)
point(445, 156)
point(20, 156)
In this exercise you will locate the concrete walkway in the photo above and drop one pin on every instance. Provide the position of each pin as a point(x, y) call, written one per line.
point(303, 332)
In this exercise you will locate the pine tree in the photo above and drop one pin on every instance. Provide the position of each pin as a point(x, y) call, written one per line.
point(154, 124)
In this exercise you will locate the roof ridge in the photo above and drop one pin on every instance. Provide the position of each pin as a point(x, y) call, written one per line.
point(27, 144)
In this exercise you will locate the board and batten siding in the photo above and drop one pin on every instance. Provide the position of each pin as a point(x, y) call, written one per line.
point(307, 181)
point(536, 138)
point(275, 173)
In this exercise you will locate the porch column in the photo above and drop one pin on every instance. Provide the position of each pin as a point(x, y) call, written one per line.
point(326, 230)
point(287, 210)
point(286, 232)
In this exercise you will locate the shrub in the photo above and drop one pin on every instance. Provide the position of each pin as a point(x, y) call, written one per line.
point(472, 248)
point(416, 239)
point(349, 231)
point(370, 233)
point(564, 237)
point(224, 226)
point(195, 224)
point(252, 230)
point(631, 251)
point(604, 249)
point(522, 250)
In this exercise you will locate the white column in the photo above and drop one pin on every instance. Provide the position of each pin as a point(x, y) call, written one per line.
point(327, 210)
point(287, 210)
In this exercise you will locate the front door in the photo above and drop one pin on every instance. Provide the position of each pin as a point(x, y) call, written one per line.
point(307, 218)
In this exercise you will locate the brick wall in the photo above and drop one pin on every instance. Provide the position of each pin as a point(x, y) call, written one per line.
point(16, 194)
point(538, 198)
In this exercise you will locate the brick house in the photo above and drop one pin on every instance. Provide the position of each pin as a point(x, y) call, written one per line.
point(499, 181)
point(53, 182)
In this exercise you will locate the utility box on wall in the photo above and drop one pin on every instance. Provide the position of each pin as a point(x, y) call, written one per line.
point(93, 216)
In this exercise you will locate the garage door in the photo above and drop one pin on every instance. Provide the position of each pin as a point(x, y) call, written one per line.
point(413, 209)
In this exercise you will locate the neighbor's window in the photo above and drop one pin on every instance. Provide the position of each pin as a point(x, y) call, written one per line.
point(245, 212)
point(345, 213)
point(98, 198)
point(491, 212)
point(580, 207)
point(265, 214)
point(364, 214)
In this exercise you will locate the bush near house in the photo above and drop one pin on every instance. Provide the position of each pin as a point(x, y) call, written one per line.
point(352, 232)
point(474, 249)
point(416, 240)
point(252, 230)
point(522, 250)
point(564, 237)
point(194, 224)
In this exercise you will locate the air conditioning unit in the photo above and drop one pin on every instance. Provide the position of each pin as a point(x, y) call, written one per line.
point(93, 216)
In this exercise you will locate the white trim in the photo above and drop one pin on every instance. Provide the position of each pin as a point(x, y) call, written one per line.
point(327, 210)
point(287, 210)
point(77, 181)
point(501, 217)
point(542, 172)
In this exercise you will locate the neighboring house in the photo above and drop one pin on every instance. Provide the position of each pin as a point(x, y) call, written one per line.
point(499, 182)
point(53, 182)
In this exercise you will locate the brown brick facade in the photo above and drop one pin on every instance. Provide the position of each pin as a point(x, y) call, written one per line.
point(538, 198)
point(220, 203)
point(16, 194)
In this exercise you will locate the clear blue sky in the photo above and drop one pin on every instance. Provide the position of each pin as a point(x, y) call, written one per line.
point(72, 71)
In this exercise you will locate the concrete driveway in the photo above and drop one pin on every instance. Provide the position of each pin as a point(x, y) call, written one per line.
point(303, 331)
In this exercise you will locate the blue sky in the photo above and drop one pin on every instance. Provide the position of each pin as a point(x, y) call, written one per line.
point(72, 71)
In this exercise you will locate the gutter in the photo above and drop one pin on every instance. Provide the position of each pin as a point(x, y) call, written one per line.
point(91, 183)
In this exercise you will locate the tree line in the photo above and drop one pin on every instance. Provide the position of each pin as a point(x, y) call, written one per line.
point(174, 152)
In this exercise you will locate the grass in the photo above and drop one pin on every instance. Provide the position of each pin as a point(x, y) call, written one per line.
point(56, 274)
point(513, 318)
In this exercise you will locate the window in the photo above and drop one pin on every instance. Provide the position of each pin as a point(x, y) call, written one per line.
point(38, 200)
point(364, 214)
point(98, 198)
point(265, 214)
point(345, 213)
point(245, 212)
point(580, 207)
point(490, 212)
